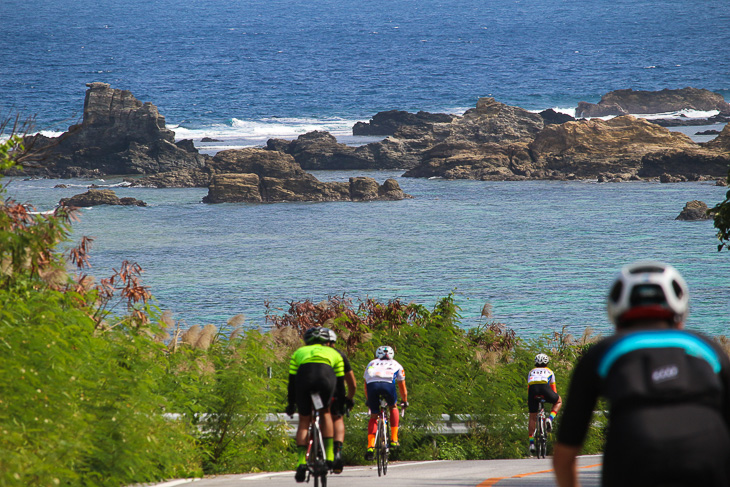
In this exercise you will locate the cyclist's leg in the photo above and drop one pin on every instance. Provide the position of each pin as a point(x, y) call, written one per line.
point(305, 380)
point(532, 406)
point(338, 425)
point(553, 398)
point(304, 383)
point(373, 403)
point(327, 390)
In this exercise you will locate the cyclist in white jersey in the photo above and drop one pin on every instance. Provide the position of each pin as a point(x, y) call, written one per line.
point(381, 376)
point(541, 382)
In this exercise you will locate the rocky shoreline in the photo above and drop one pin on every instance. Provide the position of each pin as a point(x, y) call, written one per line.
point(120, 135)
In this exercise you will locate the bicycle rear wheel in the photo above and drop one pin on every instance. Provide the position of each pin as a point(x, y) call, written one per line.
point(378, 449)
point(541, 438)
point(386, 448)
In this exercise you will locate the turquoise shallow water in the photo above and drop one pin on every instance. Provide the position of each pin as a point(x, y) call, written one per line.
point(542, 253)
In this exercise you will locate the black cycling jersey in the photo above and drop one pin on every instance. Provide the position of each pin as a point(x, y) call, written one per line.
point(669, 408)
point(338, 404)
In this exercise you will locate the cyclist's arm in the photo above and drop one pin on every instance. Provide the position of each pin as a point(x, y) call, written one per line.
point(351, 384)
point(291, 390)
point(402, 390)
point(564, 463)
point(340, 387)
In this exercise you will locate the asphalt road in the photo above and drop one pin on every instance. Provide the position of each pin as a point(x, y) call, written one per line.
point(471, 473)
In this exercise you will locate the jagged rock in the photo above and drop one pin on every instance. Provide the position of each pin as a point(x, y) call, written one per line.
point(692, 164)
point(251, 188)
point(184, 178)
point(118, 135)
point(389, 122)
point(668, 178)
point(255, 160)
point(694, 210)
point(233, 188)
point(722, 141)
point(591, 110)
point(492, 121)
point(95, 197)
point(621, 102)
point(320, 150)
point(590, 147)
point(550, 117)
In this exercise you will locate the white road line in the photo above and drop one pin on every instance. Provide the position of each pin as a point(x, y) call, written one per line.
point(391, 465)
point(176, 482)
point(395, 465)
point(265, 475)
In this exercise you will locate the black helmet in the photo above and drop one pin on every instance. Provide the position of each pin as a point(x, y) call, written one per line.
point(316, 334)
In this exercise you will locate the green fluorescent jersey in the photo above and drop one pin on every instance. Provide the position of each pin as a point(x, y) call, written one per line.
point(319, 354)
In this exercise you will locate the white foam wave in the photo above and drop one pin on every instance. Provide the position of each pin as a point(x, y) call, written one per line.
point(247, 133)
point(681, 114)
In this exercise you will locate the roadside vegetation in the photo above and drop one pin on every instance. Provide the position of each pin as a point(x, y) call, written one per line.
point(99, 387)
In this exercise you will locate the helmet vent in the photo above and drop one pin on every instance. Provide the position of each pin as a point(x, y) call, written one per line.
point(677, 289)
point(615, 294)
point(647, 294)
point(644, 269)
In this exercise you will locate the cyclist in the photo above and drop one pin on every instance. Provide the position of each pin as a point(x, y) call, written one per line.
point(314, 368)
point(342, 402)
point(381, 376)
point(667, 389)
point(541, 382)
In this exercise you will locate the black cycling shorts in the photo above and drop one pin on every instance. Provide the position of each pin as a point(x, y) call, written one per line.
point(376, 390)
point(314, 377)
point(543, 390)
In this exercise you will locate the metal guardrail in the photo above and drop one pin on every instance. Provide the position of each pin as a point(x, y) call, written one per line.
point(450, 424)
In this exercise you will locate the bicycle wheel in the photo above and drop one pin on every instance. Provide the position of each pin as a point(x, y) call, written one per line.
point(541, 438)
point(386, 448)
point(379, 452)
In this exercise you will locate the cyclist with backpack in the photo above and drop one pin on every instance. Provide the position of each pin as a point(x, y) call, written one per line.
point(668, 391)
point(381, 376)
point(319, 369)
point(541, 382)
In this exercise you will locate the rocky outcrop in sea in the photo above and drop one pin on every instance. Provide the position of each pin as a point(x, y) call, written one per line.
point(497, 142)
point(118, 135)
point(256, 175)
point(624, 102)
point(95, 197)
point(694, 210)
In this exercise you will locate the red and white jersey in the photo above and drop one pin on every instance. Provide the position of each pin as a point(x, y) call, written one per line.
point(380, 370)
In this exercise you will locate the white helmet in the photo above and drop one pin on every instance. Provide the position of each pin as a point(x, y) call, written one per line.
point(333, 335)
point(648, 290)
point(385, 352)
point(541, 360)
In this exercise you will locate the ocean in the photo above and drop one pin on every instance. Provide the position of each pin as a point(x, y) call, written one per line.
point(542, 253)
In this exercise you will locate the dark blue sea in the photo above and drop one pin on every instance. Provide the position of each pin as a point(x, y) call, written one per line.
point(542, 253)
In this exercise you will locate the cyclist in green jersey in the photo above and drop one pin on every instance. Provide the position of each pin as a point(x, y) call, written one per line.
point(314, 369)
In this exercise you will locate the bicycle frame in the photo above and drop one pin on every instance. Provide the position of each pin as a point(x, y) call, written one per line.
point(540, 430)
point(316, 458)
point(382, 442)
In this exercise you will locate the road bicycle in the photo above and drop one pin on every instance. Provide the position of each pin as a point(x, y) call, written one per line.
point(382, 437)
point(541, 429)
point(382, 443)
point(316, 456)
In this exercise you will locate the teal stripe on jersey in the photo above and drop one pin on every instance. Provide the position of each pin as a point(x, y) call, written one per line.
point(691, 344)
